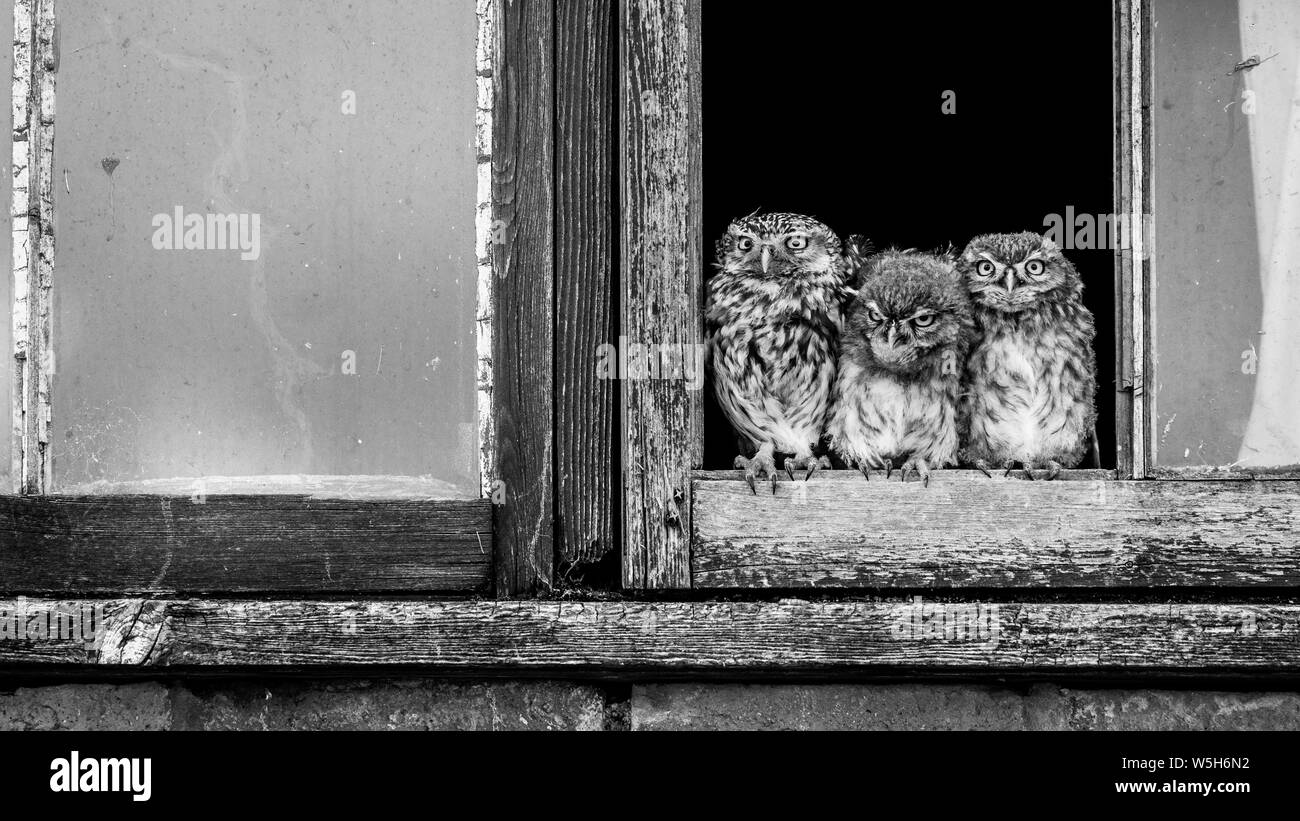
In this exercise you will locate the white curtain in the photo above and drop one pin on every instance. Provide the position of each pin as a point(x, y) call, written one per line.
point(1271, 30)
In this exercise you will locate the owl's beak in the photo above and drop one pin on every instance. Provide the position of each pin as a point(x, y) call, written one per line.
point(767, 257)
point(1010, 279)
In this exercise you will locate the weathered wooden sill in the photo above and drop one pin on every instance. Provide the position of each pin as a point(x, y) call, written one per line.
point(1084, 530)
point(297, 544)
point(315, 486)
point(606, 638)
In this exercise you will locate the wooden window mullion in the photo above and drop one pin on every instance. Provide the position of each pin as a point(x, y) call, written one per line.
point(585, 403)
point(35, 64)
point(662, 253)
point(523, 297)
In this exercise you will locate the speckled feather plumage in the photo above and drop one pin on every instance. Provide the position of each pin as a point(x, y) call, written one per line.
point(1031, 378)
point(897, 393)
point(772, 335)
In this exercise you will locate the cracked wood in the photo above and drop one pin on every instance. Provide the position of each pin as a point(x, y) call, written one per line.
point(656, 638)
point(523, 337)
point(106, 545)
point(968, 531)
point(662, 256)
point(584, 278)
point(32, 212)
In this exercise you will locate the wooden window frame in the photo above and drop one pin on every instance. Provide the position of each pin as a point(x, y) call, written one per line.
point(167, 580)
point(329, 536)
point(689, 528)
point(1180, 579)
point(1111, 539)
point(323, 538)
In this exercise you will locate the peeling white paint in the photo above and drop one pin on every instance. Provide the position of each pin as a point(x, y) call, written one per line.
point(485, 59)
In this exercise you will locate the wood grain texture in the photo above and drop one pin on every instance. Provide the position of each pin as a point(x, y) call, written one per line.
point(663, 638)
point(35, 64)
point(24, 237)
point(1204, 472)
point(585, 410)
point(967, 531)
point(485, 62)
point(523, 296)
point(1138, 24)
point(660, 118)
point(1124, 281)
point(241, 544)
point(314, 486)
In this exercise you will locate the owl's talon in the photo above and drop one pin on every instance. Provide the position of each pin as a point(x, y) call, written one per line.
point(808, 463)
point(866, 471)
point(982, 467)
point(1053, 469)
point(812, 463)
point(1027, 467)
point(761, 465)
point(741, 463)
point(921, 469)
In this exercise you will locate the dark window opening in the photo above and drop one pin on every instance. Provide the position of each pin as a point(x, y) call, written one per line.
point(844, 120)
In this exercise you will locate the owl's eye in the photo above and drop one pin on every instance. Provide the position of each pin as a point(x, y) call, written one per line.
point(874, 315)
point(1034, 267)
point(923, 321)
point(986, 268)
point(796, 243)
point(745, 244)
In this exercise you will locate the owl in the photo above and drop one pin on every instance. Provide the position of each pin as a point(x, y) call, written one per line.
point(898, 389)
point(1031, 379)
point(772, 320)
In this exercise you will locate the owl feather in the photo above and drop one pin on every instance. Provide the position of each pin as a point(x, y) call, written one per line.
point(1031, 379)
point(897, 392)
point(773, 319)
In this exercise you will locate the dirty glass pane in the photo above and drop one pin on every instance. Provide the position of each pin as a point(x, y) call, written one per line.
point(266, 242)
point(1226, 255)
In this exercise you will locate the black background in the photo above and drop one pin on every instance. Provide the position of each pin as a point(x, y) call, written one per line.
point(454, 775)
point(835, 111)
